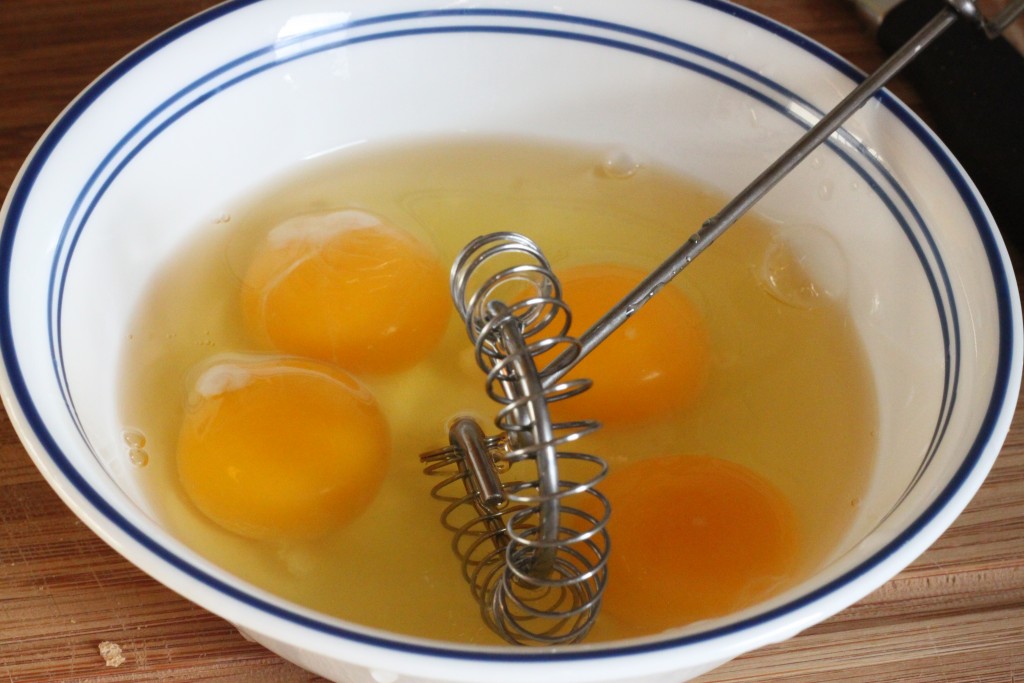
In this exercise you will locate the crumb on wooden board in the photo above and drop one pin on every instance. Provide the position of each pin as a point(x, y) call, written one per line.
point(111, 653)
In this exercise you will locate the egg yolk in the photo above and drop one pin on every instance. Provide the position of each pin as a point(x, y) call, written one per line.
point(348, 288)
point(657, 362)
point(693, 537)
point(281, 448)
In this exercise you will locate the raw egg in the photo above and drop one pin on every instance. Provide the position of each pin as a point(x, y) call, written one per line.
point(693, 537)
point(348, 288)
point(657, 362)
point(281, 447)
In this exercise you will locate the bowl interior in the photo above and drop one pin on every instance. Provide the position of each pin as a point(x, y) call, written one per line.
point(226, 103)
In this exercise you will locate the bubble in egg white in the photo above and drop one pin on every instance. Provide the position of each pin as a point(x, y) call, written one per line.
point(138, 457)
point(133, 438)
point(804, 267)
point(619, 166)
point(136, 442)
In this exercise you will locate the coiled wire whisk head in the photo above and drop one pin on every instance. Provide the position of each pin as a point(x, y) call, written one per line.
point(532, 541)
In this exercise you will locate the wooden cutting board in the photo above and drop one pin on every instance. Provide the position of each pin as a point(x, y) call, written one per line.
point(955, 616)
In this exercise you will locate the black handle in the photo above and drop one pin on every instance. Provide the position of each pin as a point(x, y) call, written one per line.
point(974, 87)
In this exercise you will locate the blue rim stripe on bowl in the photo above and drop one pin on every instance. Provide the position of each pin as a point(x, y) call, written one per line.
point(21, 391)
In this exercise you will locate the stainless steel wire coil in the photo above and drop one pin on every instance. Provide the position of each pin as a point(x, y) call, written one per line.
point(534, 557)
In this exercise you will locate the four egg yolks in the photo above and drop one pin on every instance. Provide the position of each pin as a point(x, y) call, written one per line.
point(655, 363)
point(693, 537)
point(347, 288)
point(281, 448)
point(292, 447)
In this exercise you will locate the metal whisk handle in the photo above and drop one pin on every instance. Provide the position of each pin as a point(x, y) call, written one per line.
point(715, 226)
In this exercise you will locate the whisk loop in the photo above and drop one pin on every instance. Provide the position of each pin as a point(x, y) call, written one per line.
point(534, 559)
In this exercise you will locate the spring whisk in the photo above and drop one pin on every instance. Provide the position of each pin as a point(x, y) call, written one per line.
point(534, 558)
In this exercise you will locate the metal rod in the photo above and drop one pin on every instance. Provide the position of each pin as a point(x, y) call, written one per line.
point(713, 227)
point(996, 25)
point(541, 436)
point(483, 482)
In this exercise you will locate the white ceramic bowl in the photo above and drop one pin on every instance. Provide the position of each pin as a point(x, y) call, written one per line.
point(231, 98)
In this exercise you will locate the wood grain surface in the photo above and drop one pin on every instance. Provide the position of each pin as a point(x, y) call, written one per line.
point(956, 615)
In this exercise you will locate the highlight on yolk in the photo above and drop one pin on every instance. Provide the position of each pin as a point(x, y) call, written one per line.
point(281, 447)
point(348, 288)
point(693, 537)
point(655, 363)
